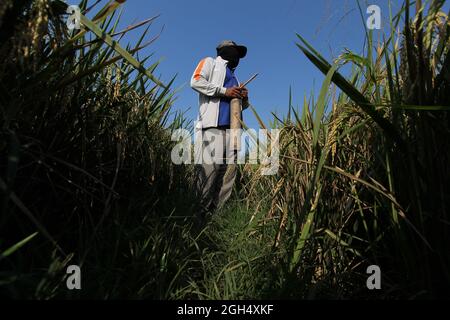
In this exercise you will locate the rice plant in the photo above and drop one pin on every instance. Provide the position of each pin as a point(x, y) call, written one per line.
point(367, 181)
point(85, 176)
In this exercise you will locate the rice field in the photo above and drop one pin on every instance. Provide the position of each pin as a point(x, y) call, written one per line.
point(86, 176)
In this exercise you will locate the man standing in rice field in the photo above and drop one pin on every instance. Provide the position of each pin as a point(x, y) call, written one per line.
point(215, 81)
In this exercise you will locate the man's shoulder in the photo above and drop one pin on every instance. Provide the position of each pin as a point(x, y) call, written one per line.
point(208, 59)
point(207, 62)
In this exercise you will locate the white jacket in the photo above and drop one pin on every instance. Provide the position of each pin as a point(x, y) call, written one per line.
point(207, 80)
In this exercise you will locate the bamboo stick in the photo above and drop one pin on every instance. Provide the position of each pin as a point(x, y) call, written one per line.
point(235, 124)
point(235, 118)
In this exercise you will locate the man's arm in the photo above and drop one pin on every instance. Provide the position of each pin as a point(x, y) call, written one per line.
point(200, 81)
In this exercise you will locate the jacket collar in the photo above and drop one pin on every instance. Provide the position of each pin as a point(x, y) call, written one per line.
point(221, 60)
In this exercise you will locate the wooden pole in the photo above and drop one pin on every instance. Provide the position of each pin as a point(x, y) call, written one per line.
point(235, 118)
point(235, 124)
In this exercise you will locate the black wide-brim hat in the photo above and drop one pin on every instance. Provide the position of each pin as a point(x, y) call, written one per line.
point(228, 43)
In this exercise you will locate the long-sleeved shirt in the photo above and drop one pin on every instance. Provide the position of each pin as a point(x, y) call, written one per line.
point(208, 80)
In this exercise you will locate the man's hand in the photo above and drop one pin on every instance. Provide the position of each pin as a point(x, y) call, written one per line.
point(244, 93)
point(234, 92)
point(237, 92)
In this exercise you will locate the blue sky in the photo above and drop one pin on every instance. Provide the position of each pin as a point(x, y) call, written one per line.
point(192, 30)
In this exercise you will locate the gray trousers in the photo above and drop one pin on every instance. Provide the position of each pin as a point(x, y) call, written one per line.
point(217, 172)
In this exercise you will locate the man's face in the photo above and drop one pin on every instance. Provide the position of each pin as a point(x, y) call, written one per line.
point(231, 54)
